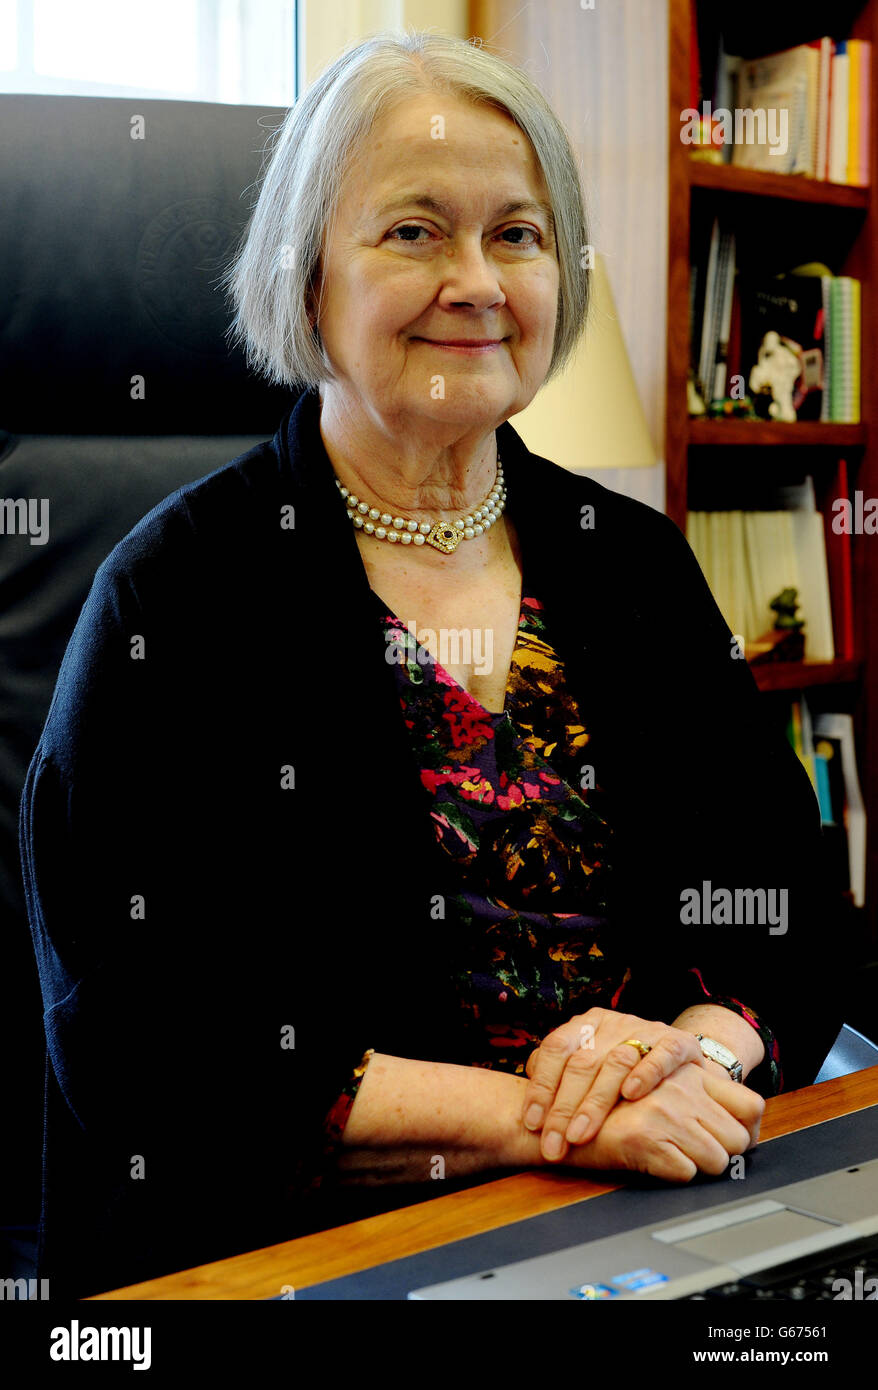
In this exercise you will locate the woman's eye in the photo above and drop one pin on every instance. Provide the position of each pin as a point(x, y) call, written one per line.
point(408, 227)
point(534, 233)
point(409, 230)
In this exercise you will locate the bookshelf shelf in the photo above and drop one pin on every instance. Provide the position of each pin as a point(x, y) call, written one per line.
point(804, 432)
point(779, 221)
point(728, 179)
point(802, 675)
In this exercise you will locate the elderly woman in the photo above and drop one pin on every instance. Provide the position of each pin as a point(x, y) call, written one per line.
point(400, 790)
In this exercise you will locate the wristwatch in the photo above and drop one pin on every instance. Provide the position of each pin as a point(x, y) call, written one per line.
point(717, 1053)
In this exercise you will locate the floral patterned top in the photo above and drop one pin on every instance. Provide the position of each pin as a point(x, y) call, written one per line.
point(519, 822)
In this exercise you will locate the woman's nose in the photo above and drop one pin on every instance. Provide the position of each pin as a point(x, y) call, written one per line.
point(469, 277)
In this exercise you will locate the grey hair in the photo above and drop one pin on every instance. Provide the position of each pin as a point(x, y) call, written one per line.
point(272, 278)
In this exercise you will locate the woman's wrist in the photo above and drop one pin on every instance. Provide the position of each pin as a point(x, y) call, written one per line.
point(408, 1114)
point(728, 1028)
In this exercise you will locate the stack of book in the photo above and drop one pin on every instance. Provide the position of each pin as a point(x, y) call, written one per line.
point(825, 745)
point(749, 557)
point(823, 88)
point(816, 312)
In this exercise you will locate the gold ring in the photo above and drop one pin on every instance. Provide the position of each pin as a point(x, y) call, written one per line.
point(642, 1048)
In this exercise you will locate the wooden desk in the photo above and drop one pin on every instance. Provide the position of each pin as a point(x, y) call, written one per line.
point(362, 1244)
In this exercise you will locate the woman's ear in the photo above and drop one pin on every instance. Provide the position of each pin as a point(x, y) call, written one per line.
point(312, 298)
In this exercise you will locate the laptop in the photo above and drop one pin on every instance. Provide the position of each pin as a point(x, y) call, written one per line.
point(809, 1241)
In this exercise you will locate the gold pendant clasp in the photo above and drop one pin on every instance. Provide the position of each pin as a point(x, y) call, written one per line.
point(444, 537)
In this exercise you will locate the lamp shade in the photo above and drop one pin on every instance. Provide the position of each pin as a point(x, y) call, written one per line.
point(590, 416)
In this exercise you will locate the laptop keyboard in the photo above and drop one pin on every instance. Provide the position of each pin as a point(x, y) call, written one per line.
point(813, 1279)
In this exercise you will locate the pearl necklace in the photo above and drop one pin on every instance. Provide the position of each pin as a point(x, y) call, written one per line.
point(442, 535)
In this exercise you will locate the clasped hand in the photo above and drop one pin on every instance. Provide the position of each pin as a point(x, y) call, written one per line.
point(668, 1113)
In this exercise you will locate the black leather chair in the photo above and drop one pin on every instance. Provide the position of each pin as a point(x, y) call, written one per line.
point(117, 386)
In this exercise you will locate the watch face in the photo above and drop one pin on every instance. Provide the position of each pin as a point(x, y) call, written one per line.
point(718, 1053)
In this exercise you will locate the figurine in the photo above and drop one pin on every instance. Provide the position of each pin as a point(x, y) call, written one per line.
point(786, 641)
point(785, 606)
point(778, 367)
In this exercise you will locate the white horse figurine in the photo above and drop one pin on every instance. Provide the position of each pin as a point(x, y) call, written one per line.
point(778, 368)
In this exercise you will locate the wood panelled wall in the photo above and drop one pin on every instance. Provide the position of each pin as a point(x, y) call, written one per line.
point(605, 72)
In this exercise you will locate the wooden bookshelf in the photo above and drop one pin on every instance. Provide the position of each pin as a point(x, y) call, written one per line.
point(839, 437)
point(795, 187)
point(804, 675)
point(822, 222)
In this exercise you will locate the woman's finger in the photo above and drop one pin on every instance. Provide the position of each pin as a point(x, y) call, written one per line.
point(734, 1137)
point(673, 1050)
point(745, 1105)
point(701, 1122)
point(685, 1115)
point(709, 1154)
point(556, 1053)
point(591, 1109)
point(622, 1066)
point(588, 1092)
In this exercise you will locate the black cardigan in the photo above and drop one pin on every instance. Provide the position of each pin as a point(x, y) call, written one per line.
point(183, 908)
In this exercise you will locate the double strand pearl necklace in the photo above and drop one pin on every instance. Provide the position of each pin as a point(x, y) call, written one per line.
point(442, 535)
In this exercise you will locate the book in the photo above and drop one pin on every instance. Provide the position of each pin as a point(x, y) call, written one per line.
point(815, 606)
point(840, 727)
point(725, 87)
point(855, 292)
point(831, 800)
point(844, 381)
point(733, 353)
point(853, 159)
point(824, 797)
point(838, 115)
point(707, 354)
point(839, 553)
point(807, 160)
point(826, 301)
point(825, 49)
point(807, 736)
point(775, 90)
point(859, 53)
point(725, 287)
point(794, 728)
point(864, 175)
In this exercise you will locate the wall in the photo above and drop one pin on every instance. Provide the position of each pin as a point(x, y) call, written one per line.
point(325, 28)
point(605, 71)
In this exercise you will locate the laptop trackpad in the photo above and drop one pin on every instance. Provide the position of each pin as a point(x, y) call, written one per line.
point(738, 1233)
point(751, 1238)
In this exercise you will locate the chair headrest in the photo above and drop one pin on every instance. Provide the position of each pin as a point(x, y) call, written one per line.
point(110, 253)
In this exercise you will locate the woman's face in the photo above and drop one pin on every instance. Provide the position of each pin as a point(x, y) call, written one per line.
point(402, 275)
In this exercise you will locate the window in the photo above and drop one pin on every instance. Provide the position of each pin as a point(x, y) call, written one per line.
point(236, 51)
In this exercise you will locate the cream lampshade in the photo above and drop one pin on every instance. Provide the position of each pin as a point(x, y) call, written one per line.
point(591, 417)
